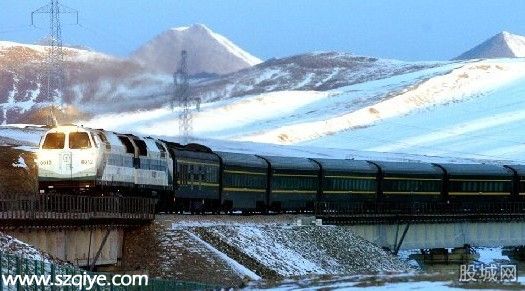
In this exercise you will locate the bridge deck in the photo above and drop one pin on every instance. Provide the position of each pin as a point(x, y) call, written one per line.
point(63, 210)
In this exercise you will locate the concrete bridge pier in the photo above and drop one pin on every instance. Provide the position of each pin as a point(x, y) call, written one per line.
point(79, 246)
point(445, 256)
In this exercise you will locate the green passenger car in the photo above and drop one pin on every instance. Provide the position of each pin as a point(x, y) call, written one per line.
point(519, 181)
point(244, 182)
point(347, 184)
point(294, 183)
point(478, 183)
point(197, 173)
point(410, 186)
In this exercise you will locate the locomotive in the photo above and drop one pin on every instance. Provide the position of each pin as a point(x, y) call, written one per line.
point(73, 159)
point(194, 178)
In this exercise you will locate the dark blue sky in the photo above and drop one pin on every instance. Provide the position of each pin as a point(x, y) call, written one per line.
point(406, 30)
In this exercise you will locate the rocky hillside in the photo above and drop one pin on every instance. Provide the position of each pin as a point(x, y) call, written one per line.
point(312, 71)
point(91, 78)
point(98, 83)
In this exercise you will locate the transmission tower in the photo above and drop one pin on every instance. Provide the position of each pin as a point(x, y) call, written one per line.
point(55, 57)
point(184, 99)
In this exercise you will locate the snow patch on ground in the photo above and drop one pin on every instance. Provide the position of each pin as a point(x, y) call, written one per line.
point(23, 135)
point(241, 270)
point(255, 243)
point(461, 84)
point(20, 163)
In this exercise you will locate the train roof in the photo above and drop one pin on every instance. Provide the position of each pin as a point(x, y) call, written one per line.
point(476, 170)
point(245, 160)
point(347, 165)
point(197, 148)
point(291, 163)
point(69, 128)
point(410, 168)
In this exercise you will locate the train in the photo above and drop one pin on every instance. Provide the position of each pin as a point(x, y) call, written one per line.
point(194, 178)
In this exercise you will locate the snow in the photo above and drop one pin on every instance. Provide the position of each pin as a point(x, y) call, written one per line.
point(489, 256)
point(9, 45)
point(460, 111)
point(181, 28)
point(28, 136)
point(480, 127)
point(208, 52)
point(235, 118)
point(20, 163)
point(241, 270)
point(11, 245)
point(77, 54)
point(255, 243)
point(235, 50)
point(516, 43)
point(461, 84)
point(502, 45)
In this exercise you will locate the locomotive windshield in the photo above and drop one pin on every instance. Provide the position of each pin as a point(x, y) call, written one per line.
point(79, 140)
point(54, 141)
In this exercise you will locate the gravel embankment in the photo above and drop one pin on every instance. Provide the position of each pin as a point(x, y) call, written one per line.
point(161, 252)
point(273, 247)
point(301, 250)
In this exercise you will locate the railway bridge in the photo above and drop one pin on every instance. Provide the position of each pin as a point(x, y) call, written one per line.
point(434, 230)
point(87, 231)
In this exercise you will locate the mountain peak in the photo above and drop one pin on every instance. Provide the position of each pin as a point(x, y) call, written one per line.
point(208, 51)
point(194, 27)
point(501, 45)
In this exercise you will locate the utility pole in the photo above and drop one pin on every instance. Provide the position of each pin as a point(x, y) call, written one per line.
point(55, 57)
point(182, 96)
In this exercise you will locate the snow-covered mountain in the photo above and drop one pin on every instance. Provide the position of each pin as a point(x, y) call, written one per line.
point(99, 83)
point(208, 52)
point(502, 45)
point(311, 71)
point(469, 109)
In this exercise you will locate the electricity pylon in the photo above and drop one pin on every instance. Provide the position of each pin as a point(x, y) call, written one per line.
point(182, 96)
point(55, 57)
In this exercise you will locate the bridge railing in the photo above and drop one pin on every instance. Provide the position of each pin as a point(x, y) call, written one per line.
point(415, 208)
point(76, 207)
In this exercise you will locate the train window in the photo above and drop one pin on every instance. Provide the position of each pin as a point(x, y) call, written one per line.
point(79, 140)
point(54, 141)
point(143, 148)
point(127, 143)
point(95, 141)
point(104, 140)
point(161, 149)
